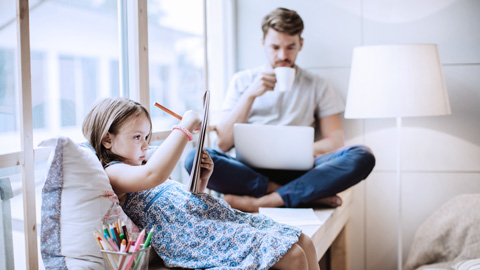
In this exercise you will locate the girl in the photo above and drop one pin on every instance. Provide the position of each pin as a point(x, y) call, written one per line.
point(191, 231)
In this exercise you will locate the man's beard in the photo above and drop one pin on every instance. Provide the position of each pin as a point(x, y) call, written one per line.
point(281, 63)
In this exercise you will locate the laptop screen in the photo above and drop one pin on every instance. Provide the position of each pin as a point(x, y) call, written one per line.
point(274, 147)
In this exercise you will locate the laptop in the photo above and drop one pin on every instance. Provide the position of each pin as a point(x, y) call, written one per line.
point(274, 147)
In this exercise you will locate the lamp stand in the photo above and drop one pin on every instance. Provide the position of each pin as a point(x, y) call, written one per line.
point(399, 187)
point(395, 81)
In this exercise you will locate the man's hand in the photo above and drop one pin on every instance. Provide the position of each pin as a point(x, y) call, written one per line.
point(265, 81)
point(206, 170)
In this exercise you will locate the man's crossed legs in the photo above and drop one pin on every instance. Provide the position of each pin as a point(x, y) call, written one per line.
point(247, 188)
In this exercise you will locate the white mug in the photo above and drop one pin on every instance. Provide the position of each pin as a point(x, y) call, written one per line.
point(285, 78)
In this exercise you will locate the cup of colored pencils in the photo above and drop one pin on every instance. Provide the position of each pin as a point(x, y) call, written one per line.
point(125, 254)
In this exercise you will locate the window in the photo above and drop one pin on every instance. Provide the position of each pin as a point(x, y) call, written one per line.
point(78, 88)
point(39, 108)
point(9, 131)
point(176, 58)
point(70, 68)
point(79, 62)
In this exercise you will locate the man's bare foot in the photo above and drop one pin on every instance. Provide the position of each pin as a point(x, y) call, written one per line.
point(272, 186)
point(242, 203)
point(332, 201)
point(252, 204)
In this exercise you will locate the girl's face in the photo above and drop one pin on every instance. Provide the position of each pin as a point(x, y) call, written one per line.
point(131, 141)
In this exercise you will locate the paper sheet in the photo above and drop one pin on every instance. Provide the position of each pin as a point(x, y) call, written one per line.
point(303, 218)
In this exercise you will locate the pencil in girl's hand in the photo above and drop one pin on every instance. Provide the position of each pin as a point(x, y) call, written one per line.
point(168, 111)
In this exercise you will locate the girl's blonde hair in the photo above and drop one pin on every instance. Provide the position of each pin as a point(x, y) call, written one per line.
point(108, 115)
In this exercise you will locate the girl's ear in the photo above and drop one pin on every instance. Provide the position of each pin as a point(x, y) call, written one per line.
point(107, 141)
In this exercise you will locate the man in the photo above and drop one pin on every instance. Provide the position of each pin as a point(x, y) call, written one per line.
point(311, 102)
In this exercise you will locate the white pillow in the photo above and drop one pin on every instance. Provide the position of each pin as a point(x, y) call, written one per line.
point(75, 198)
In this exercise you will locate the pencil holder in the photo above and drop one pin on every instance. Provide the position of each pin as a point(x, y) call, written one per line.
point(137, 260)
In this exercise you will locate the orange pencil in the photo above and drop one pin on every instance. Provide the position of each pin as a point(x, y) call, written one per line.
point(118, 227)
point(168, 111)
point(129, 243)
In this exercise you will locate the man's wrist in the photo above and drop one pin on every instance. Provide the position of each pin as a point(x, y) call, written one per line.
point(249, 96)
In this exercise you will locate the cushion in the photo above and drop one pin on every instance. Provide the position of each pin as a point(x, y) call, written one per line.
point(450, 236)
point(75, 199)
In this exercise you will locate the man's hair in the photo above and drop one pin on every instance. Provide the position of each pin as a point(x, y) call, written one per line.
point(108, 115)
point(283, 20)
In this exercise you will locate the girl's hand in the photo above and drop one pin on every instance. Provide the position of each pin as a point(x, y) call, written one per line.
point(206, 170)
point(191, 120)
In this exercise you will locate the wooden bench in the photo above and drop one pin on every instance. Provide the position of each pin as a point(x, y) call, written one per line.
point(330, 239)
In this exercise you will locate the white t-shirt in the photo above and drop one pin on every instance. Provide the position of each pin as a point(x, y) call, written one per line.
point(310, 99)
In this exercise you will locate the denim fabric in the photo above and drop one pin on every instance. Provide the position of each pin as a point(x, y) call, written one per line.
point(332, 173)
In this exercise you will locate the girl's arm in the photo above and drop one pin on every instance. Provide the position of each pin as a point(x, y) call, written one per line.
point(127, 178)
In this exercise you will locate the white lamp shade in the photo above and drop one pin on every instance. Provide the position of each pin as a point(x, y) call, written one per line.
point(396, 81)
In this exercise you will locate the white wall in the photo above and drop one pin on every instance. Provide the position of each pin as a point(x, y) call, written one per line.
point(440, 155)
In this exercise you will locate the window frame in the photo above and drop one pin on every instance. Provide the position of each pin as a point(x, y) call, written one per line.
point(134, 75)
point(26, 133)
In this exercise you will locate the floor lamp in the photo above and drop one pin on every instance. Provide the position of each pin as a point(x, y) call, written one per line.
point(395, 81)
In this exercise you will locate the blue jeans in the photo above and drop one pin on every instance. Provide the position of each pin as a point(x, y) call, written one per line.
point(331, 174)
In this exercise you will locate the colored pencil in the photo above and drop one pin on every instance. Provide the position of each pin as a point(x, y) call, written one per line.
point(168, 111)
